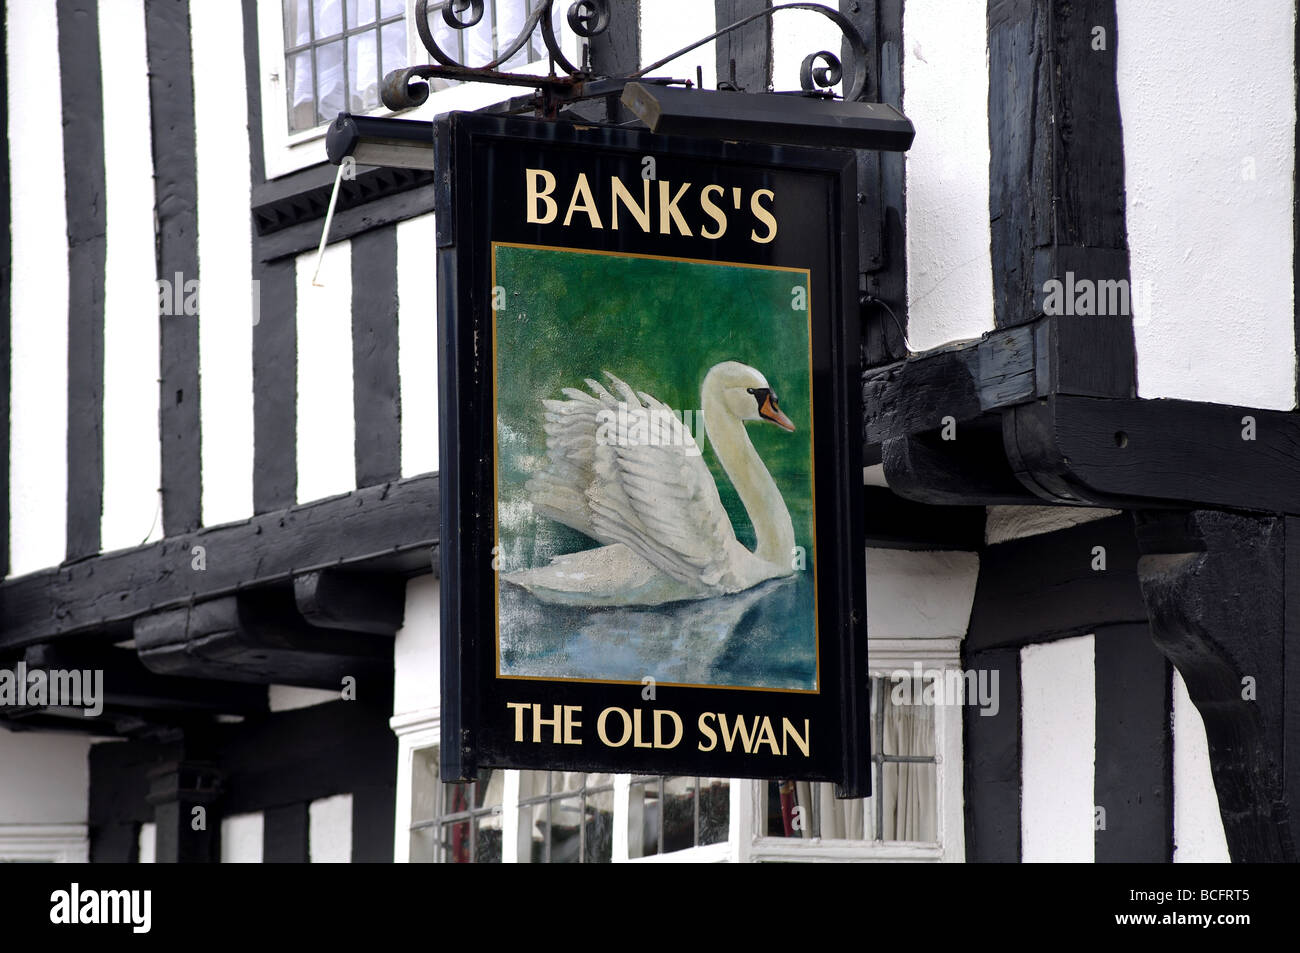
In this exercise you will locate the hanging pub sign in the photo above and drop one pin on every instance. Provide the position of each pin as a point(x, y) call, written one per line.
point(651, 552)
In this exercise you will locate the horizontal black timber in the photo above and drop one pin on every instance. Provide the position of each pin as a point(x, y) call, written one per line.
point(962, 382)
point(305, 236)
point(963, 465)
point(893, 522)
point(1174, 452)
point(393, 527)
point(1044, 587)
point(304, 196)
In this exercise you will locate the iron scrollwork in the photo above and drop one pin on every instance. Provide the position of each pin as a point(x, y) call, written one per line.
point(405, 88)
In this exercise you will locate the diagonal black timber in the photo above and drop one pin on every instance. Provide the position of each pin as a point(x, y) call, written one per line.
point(393, 527)
point(83, 160)
point(1056, 172)
point(171, 104)
point(1216, 586)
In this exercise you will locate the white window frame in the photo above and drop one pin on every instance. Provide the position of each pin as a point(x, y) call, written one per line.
point(748, 807)
point(284, 152)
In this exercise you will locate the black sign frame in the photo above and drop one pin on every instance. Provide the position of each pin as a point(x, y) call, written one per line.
point(479, 203)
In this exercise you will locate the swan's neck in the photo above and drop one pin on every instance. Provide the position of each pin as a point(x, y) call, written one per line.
point(773, 531)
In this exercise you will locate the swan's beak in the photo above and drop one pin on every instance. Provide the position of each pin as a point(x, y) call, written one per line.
point(769, 411)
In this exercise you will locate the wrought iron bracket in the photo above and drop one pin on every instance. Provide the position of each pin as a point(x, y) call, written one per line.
point(568, 82)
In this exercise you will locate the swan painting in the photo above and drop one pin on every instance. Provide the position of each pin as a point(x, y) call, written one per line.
point(644, 492)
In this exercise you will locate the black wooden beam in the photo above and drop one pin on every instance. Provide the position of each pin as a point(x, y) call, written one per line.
point(991, 746)
point(1056, 171)
point(1164, 452)
point(1134, 772)
point(285, 834)
point(748, 51)
point(893, 522)
point(1044, 587)
point(171, 105)
point(356, 601)
point(376, 393)
point(965, 467)
point(383, 528)
point(83, 160)
point(6, 308)
point(258, 637)
point(1217, 587)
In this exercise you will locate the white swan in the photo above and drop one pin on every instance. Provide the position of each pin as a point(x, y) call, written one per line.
point(625, 471)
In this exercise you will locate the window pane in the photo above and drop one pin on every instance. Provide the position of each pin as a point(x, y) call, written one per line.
point(679, 814)
point(329, 81)
point(600, 828)
point(424, 785)
point(908, 791)
point(715, 810)
point(391, 8)
point(302, 109)
point(360, 12)
point(487, 849)
point(394, 48)
point(511, 17)
point(643, 818)
point(479, 39)
point(297, 28)
point(456, 842)
point(329, 18)
point(363, 73)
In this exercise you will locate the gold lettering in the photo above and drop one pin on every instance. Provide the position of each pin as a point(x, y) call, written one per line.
point(627, 727)
point(621, 194)
point(570, 723)
point(788, 732)
point(707, 731)
point(763, 215)
point(539, 721)
point(582, 190)
point(668, 211)
point(766, 736)
point(729, 737)
point(677, 729)
point(713, 212)
point(535, 195)
point(519, 708)
point(636, 732)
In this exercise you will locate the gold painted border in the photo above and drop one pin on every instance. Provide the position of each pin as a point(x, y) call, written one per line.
point(812, 446)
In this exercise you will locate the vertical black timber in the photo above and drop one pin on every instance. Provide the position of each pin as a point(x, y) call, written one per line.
point(275, 335)
point(750, 47)
point(376, 396)
point(992, 752)
point(285, 834)
point(1295, 222)
point(1291, 666)
point(617, 51)
point(6, 307)
point(83, 162)
point(171, 103)
point(882, 210)
point(1133, 774)
point(373, 815)
point(1056, 179)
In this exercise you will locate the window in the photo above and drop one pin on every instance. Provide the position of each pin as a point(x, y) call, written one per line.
point(669, 814)
point(322, 57)
point(336, 55)
point(904, 779)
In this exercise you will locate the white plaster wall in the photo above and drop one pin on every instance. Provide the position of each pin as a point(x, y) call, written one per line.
point(1058, 750)
point(38, 423)
point(147, 844)
point(795, 34)
point(44, 777)
point(1198, 826)
point(920, 595)
point(417, 682)
point(225, 262)
point(326, 421)
point(329, 832)
point(131, 513)
point(417, 344)
point(241, 839)
point(290, 697)
point(945, 94)
point(668, 25)
point(1004, 523)
point(1207, 101)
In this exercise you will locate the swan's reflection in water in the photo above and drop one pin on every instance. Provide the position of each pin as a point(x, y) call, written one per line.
point(762, 638)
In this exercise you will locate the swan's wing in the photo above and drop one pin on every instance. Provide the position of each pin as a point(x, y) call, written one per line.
point(655, 493)
point(560, 491)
